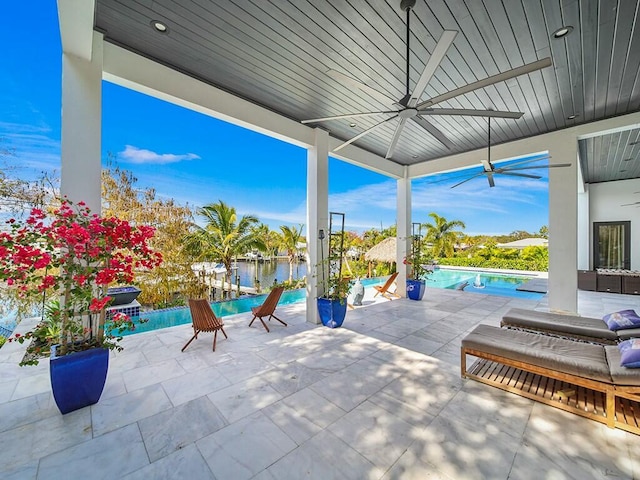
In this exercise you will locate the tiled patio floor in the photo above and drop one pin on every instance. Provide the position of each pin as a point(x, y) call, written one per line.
point(381, 397)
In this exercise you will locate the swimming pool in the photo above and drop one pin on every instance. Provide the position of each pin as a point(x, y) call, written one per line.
point(171, 317)
point(493, 284)
point(490, 283)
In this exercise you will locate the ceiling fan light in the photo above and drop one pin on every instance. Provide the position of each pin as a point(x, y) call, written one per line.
point(572, 117)
point(627, 159)
point(563, 31)
point(353, 125)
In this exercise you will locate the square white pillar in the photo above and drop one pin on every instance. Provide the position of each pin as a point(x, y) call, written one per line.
point(403, 215)
point(563, 226)
point(82, 127)
point(317, 218)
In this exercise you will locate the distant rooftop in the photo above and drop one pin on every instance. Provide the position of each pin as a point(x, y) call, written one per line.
point(525, 242)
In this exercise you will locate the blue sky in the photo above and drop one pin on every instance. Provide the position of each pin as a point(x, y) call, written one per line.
point(197, 159)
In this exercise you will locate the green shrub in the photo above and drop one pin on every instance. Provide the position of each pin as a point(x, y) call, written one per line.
point(500, 263)
point(2, 340)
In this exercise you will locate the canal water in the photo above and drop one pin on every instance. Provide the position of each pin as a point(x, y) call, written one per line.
point(267, 272)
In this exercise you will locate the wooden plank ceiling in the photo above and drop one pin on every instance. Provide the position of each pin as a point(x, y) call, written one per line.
point(278, 54)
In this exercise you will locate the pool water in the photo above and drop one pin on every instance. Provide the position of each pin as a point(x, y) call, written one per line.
point(493, 284)
point(490, 283)
point(180, 315)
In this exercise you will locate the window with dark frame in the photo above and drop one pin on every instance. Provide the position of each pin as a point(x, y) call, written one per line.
point(612, 245)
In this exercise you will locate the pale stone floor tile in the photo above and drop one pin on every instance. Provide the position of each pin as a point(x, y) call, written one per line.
point(461, 452)
point(291, 421)
point(176, 428)
point(27, 410)
point(376, 434)
point(292, 383)
point(313, 407)
point(106, 457)
point(24, 445)
point(292, 377)
point(32, 385)
point(115, 412)
point(324, 457)
point(193, 385)
point(418, 344)
point(244, 398)
point(152, 374)
point(244, 448)
point(185, 463)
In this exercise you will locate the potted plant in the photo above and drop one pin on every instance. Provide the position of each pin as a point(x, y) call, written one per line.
point(75, 255)
point(417, 271)
point(332, 304)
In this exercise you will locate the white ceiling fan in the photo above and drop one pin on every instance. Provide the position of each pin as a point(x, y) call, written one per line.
point(513, 169)
point(410, 109)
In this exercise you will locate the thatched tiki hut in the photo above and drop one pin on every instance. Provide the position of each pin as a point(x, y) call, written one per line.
point(385, 252)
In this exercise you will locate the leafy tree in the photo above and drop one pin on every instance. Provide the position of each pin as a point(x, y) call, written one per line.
point(224, 235)
point(544, 231)
point(121, 199)
point(442, 234)
point(290, 239)
point(270, 240)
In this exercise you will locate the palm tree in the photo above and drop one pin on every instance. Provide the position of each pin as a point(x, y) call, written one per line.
point(290, 239)
point(442, 234)
point(269, 239)
point(224, 236)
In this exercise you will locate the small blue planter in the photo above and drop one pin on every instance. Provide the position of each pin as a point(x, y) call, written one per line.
point(415, 289)
point(332, 312)
point(78, 379)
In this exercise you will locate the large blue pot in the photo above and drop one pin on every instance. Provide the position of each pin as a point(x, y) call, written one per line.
point(78, 379)
point(332, 312)
point(415, 289)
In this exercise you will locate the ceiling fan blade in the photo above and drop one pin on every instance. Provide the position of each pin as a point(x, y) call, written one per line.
point(466, 180)
point(509, 169)
point(629, 204)
point(396, 137)
point(470, 113)
point(526, 175)
point(435, 131)
point(348, 115)
point(362, 134)
point(490, 178)
point(347, 80)
point(528, 160)
point(446, 39)
point(500, 77)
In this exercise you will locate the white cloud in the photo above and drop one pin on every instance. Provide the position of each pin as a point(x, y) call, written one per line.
point(133, 154)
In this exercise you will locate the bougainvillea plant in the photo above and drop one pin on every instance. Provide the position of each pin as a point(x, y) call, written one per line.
point(74, 255)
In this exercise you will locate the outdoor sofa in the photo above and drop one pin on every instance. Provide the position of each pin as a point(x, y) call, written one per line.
point(594, 330)
point(582, 378)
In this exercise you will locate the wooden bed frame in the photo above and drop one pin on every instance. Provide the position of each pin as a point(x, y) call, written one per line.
point(615, 406)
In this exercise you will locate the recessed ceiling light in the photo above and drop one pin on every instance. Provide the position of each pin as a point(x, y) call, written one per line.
point(353, 125)
point(623, 170)
point(159, 26)
point(572, 117)
point(563, 31)
point(414, 156)
point(627, 159)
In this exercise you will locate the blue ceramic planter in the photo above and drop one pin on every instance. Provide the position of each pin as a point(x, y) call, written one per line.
point(78, 379)
point(332, 312)
point(415, 289)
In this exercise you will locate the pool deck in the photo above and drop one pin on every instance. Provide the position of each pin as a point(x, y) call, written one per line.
point(380, 398)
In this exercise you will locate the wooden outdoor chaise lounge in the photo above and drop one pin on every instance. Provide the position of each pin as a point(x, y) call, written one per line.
point(384, 289)
point(582, 378)
point(594, 330)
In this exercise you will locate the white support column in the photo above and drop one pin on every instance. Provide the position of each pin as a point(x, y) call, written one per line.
point(403, 213)
point(563, 226)
point(81, 126)
point(317, 218)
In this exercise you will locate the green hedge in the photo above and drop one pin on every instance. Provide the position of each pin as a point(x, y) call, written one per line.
point(2, 340)
point(502, 263)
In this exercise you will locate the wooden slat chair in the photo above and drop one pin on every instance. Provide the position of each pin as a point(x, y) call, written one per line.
point(268, 307)
point(383, 290)
point(204, 320)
